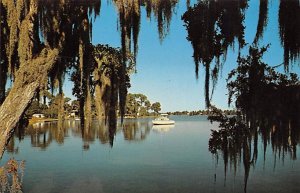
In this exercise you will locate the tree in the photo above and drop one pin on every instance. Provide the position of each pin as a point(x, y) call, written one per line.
point(30, 61)
point(156, 107)
point(267, 104)
point(43, 39)
point(147, 105)
point(260, 91)
point(289, 30)
point(75, 105)
point(138, 105)
point(35, 107)
point(130, 104)
point(262, 20)
point(111, 80)
point(212, 28)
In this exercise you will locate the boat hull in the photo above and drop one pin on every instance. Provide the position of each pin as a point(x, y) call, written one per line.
point(163, 122)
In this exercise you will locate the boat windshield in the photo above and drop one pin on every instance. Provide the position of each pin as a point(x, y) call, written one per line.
point(162, 119)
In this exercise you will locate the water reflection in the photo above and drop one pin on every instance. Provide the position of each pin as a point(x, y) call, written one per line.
point(237, 142)
point(135, 130)
point(268, 105)
point(173, 158)
point(43, 134)
point(162, 128)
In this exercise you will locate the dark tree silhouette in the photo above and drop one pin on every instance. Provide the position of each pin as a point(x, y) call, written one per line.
point(289, 19)
point(212, 28)
point(260, 95)
point(262, 20)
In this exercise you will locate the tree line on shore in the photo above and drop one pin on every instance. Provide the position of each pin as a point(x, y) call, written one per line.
point(202, 112)
point(137, 105)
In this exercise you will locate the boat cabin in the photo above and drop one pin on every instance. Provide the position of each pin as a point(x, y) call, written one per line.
point(163, 120)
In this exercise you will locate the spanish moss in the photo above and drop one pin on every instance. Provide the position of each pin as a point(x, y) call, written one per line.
point(262, 20)
point(109, 85)
point(289, 19)
point(212, 28)
point(260, 98)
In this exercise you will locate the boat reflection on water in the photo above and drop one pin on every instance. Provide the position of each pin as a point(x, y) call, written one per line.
point(162, 128)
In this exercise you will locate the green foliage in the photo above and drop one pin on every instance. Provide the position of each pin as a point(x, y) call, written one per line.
point(35, 107)
point(111, 79)
point(289, 30)
point(212, 28)
point(202, 112)
point(75, 105)
point(178, 113)
point(156, 107)
point(233, 133)
point(268, 104)
point(257, 87)
point(138, 105)
point(52, 109)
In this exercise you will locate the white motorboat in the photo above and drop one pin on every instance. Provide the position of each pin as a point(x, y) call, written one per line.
point(163, 120)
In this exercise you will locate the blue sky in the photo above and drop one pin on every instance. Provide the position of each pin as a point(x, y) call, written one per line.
point(166, 71)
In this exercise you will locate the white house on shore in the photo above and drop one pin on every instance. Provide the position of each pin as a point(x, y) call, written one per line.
point(38, 115)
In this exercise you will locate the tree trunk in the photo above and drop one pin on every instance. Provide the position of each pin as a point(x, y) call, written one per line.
point(3, 78)
point(100, 92)
point(30, 77)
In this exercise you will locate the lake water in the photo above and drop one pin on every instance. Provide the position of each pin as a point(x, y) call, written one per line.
point(143, 159)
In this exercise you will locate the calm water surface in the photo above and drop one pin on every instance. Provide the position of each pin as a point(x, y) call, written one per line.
point(143, 159)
